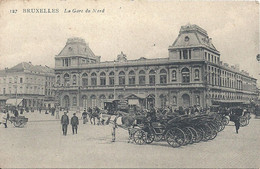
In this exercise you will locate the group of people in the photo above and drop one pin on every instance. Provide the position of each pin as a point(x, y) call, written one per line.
point(74, 121)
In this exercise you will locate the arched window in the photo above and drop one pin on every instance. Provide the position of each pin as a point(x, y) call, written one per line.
point(84, 79)
point(152, 77)
point(74, 77)
point(74, 101)
point(185, 75)
point(66, 79)
point(93, 101)
point(197, 75)
point(142, 77)
point(121, 78)
point(174, 75)
point(174, 100)
point(163, 76)
point(163, 101)
point(111, 78)
point(93, 79)
point(131, 77)
point(102, 78)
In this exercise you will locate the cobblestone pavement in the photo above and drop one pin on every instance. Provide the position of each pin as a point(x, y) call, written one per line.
point(41, 144)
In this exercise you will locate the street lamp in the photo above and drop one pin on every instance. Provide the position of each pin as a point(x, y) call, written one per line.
point(114, 80)
point(155, 89)
point(16, 91)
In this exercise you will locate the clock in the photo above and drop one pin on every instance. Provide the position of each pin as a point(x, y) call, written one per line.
point(187, 39)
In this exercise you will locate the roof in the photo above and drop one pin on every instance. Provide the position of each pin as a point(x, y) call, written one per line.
point(193, 35)
point(76, 47)
point(28, 66)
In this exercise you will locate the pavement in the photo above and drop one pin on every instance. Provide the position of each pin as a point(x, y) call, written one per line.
point(40, 144)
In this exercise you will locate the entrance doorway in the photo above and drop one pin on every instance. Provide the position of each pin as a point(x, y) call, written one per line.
point(185, 100)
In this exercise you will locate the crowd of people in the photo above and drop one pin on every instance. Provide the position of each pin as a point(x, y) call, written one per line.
point(92, 114)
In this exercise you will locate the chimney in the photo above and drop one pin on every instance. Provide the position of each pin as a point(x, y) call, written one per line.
point(237, 67)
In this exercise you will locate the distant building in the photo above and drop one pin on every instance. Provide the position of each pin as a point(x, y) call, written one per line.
point(27, 85)
point(192, 74)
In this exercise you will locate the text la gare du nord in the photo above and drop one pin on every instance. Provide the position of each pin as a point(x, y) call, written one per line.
point(84, 11)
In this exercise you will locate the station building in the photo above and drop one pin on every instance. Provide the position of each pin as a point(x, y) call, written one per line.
point(192, 74)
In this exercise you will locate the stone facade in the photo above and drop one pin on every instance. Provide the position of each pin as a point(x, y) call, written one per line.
point(192, 74)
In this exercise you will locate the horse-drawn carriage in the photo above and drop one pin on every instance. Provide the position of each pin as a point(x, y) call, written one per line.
point(180, 130)
point(19, 121)
point(238, 112)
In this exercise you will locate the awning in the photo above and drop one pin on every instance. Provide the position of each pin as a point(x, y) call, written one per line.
point(14, 101)
point(110, 100)
point(135, 96)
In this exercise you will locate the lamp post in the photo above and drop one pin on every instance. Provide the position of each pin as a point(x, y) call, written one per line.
point(155, 90)
point(114, 80)
point(16, 91)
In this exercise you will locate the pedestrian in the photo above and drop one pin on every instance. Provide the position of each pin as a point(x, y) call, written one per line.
point(4, 118)
point(237, 123)
point(64, 123)
point(15, 113)
point(74, 123)
point(52, 111)
point(84, 116)
point(57, 113)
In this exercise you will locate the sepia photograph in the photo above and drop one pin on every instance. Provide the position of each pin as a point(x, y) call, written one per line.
point(129, 84)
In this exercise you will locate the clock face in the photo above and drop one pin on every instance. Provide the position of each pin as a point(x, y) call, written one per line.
point(187, 39)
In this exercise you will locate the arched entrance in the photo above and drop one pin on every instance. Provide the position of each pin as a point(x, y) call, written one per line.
point(186, 100)
point(66, 101)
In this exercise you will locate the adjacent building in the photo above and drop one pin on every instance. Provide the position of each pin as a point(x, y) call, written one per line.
point(192, 74)
point(27, 85)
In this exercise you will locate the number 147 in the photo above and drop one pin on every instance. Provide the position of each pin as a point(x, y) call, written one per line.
point(13, 11)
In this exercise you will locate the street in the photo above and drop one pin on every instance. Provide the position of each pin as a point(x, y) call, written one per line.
point(41, 144)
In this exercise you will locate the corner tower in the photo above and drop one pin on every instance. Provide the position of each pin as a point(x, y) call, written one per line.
point(192, 43)
point(75, 53)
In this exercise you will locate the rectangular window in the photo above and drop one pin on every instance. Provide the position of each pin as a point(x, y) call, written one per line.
point(152, 79)
point(180, 54)
point(205, 55)
point(215, 59)
point(122, 80)
point(102, 81)
point(208, 57)
point(212, 60)
point(93, 81)
point(131, 80)
point(163, 79)
point(185, 54)
point(142, 80)
point(189, 54)
point(111, 81)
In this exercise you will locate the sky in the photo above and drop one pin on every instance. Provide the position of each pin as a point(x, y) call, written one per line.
point(129, 26)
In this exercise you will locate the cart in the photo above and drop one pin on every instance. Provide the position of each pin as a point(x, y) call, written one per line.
point(19, 121)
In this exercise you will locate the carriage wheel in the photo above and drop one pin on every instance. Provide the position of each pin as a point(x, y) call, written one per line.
point(175, 137)
point(194, 135)
point(150, 138)
point(139, 137)
point(225, 121)
point(158, 138)
point(207, 132)
point(242, 121)
point(17, 123)
point(213, 133)
point(200, 134)
point(188, 136)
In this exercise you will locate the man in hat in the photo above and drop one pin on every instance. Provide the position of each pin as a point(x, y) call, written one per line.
point(74, 123)
point(64, 123)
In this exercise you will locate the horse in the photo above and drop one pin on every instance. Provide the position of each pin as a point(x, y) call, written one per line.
point(93, 115)
point(125, 121)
